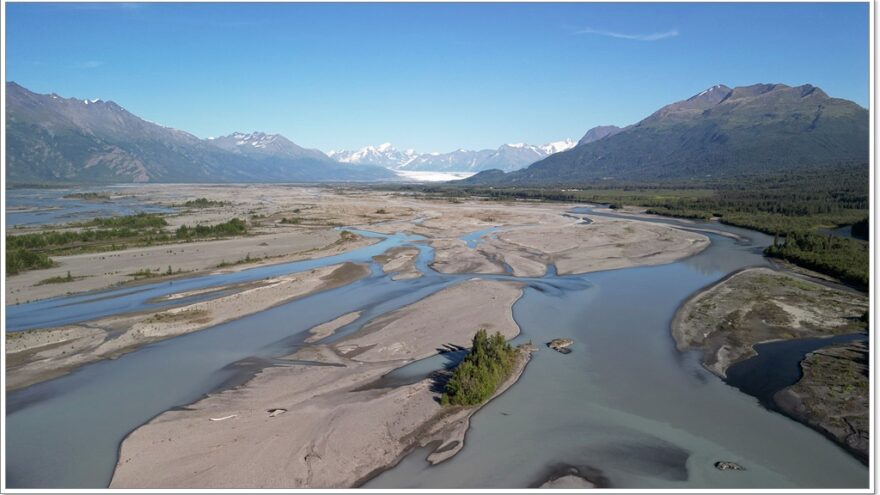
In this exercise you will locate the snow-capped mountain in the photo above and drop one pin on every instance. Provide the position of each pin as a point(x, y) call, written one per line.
point(384, 155)
point(507, 157)
point(557, 146)
point(260, 143)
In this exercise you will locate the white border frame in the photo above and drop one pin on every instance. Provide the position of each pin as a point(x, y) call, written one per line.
point(873, 271)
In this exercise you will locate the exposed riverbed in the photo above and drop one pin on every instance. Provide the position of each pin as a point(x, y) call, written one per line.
point(624, 402)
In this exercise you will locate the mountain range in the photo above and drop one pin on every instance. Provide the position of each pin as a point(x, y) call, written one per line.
point(55, 139)
point(507, 157)
point(720, 132)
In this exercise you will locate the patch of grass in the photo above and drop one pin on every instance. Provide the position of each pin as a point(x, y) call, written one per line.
point(242, 261)
point(143, 273)
point(186, 315)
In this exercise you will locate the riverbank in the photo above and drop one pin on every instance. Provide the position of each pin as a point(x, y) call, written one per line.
point(41, 354)
point(98, 271)
point(759, 305)
point(833, 396)
point(285, 223)
point(335, 431)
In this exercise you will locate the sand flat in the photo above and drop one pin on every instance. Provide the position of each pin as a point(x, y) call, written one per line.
point(40, 360)
point(334, 432)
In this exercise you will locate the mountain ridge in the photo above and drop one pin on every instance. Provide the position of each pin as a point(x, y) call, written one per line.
point(718, 132)
point(54, 139)
point(508, 157)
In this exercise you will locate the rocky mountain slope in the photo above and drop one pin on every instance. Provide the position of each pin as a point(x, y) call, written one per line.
point(55, 139)
point(716, 133)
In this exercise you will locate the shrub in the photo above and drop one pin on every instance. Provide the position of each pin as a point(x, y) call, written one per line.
point(19, 260)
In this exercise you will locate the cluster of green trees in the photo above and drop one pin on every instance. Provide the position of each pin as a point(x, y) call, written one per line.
point(57, 241)
point(475, 379)
point(842, 258)
point(233, 227)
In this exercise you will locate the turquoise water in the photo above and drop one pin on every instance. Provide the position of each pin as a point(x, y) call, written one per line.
point(29, 207)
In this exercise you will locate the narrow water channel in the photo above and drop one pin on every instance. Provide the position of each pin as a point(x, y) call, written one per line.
point(624, 402)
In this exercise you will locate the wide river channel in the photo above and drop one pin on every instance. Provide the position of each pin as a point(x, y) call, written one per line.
point(625, 402)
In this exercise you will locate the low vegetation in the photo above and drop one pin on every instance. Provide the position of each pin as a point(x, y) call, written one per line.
point(490, 362)
point(88, 196)
point(57, 280)
point(243, 261)
point(136, 222)
point(231, 228)
point(20, 259)
point(144, 273)
point(204, 203)
point(34, 250)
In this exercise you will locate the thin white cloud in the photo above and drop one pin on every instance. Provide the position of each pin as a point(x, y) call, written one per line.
point(626, 36)
point(90, 64)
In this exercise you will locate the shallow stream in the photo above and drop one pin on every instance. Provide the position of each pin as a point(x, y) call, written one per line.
point(624, 401)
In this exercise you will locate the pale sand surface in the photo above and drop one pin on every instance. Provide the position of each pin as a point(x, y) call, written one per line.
point(337, 431)
point(568, 482)
point(531, 235)
point(400, 262)
point(318, 209)
point(37, 355)
point(329, 328)
point(103, 270)
point(571, 246)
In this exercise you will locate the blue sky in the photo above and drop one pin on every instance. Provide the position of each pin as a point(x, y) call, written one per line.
point(433, 77)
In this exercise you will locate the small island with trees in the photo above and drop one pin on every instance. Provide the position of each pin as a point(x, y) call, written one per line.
point(489, 363)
